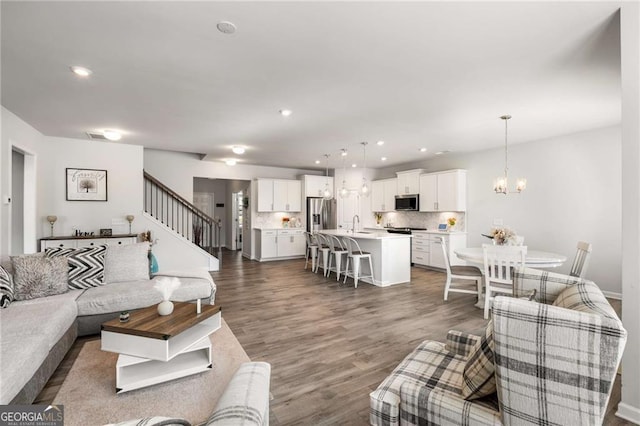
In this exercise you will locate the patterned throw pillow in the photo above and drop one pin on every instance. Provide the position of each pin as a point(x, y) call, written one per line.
point(6, 288)
point(479, 373)
point(35, 277)
point(86, 265)
point(586, 297)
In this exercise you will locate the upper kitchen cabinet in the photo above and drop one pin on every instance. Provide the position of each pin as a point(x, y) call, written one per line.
point(279, 195)
point(383, 195)
point(314, 185)
point(409, 182)
point(443, 191)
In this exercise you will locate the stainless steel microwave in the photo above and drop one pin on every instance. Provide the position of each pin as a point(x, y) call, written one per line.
point(408, 202)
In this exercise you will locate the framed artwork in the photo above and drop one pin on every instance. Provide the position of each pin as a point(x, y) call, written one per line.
point(86, 185)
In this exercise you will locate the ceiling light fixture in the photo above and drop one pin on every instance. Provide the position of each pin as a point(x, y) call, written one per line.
point(112, 135)
point(238, 150)
point(384, 159)
point(364, 189)
point(500, 185)
point(230, 162)
point(327, 194)
point(344, 192)
point(226, 27)
point(423, 149)
point(380, 143)
point(81, 71)
point(317, 161)
point(354, 165)
point(286, 112)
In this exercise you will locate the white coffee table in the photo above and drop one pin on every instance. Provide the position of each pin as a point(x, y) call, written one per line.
point(154, 349)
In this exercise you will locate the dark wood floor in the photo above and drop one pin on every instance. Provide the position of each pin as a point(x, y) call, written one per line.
point(329, 345)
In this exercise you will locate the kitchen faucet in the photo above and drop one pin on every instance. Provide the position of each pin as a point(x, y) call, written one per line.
point(353, 224)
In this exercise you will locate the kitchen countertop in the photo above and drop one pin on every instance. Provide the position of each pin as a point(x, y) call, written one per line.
point(427, 231)
point(379, 234)
point(270, 228)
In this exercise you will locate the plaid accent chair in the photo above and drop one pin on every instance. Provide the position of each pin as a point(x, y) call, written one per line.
point(554, 364)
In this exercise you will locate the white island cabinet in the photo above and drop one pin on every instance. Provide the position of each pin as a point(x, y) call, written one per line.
point(390, 255)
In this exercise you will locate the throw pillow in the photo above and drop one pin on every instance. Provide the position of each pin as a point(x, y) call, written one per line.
point(127, 263)
point(86, 265)
point(587, 297)
point(39, 276)
point(478, 376)
point(6, 288)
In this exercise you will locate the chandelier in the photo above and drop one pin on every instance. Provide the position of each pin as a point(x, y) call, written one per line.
point(364, 189)
point(327, 194)
point(344, 192)
point(500, 185)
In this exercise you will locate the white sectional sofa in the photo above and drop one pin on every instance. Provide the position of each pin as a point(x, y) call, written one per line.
point(36, 334)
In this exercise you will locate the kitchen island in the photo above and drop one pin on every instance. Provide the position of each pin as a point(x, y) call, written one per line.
point(390, 255)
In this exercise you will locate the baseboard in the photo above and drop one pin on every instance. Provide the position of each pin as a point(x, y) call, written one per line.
point(612, 295)
point(629, 413)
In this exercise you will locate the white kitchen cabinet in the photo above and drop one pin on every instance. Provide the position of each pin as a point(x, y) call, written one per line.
point(279, 195)
point(408, 182)
point(443, 191)
point(314, 185)
point(420, 249)
point(383, 195)
point(427, 248)
point(275, 244)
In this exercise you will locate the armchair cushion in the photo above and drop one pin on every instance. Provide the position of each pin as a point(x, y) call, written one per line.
point(548, 285)
point(461, 343)
point(479, 372)
point(585, 297)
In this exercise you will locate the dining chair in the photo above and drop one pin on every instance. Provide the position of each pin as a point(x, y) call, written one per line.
point(337, 252)
point(355, 256)
point(581, 261)
point(323, 250)
point(499, 263)
point(460, 272)
point(312, 250)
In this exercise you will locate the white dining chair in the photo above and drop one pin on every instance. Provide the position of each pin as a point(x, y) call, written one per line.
point(460, 272)
point(337, 252)
point(581, 261)
point(354, 257)
point(499, 263)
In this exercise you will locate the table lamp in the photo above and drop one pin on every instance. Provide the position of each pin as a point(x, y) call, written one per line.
point(130, 218)
point(52, 219)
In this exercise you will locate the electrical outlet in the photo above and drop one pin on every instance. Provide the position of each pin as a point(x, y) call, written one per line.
point(497, 222)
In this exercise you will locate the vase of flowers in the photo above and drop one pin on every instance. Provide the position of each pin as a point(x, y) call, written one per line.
point(378, 217)
point(451, 222)
point(166, 287)
point(503, 235)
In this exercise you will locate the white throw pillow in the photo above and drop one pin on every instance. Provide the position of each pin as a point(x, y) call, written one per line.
point(126, 263)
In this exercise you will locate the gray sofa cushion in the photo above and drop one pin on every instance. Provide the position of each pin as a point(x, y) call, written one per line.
point(126, 296)
point(36, 276)
point(127, 263)
point(21, 357)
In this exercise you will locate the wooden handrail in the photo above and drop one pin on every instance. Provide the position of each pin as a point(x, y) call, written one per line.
point(208, 219)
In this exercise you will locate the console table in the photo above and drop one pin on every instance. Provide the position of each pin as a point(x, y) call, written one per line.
point(76, 242)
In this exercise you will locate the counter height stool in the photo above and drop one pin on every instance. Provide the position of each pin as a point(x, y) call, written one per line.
point(355, 255)
point(324, 250)
point(312, 250)
point(337, 252)
point(459, 272)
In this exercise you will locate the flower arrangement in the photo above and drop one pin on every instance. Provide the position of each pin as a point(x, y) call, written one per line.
point(502, 235)
point(452, 221)
point(378, 217)
point(166, 287)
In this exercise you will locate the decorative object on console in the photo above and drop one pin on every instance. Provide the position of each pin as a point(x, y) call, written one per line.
point(130, 218)
point(166, 287)
point(364, 189)
point(500, 185)
point(86, 185)
point(106, 232)
point(327, 194)
point(52, 219)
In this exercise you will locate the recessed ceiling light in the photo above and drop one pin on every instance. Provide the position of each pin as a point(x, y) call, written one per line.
point(423, 149)
point(286, 112)
point(317, 161)
point(112, 135)
point(384, 158)
point(226, 27)
point(354, 165)
point(81, 71)
point(380, 143)
point(238, 150)
point(231, 162)
point(441, 152)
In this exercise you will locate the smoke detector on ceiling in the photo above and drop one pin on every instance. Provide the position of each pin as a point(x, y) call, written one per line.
point(226, 27)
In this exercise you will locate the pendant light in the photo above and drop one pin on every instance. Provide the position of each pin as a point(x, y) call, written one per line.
point(501, 183)
point(327, 194)
point(364, 189)
point(344, 192)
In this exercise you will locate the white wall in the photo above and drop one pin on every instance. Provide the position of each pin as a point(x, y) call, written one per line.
point(17, 202)
point(573, 194)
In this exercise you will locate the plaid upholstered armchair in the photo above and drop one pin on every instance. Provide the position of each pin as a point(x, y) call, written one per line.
point(552, 360)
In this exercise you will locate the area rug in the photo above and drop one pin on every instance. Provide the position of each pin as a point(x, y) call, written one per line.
point(89, 398)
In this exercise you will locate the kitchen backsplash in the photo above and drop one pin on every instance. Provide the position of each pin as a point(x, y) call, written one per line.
point(422, 219)
point(272, 220)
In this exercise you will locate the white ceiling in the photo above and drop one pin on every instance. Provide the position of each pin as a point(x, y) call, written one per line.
point(416, 74)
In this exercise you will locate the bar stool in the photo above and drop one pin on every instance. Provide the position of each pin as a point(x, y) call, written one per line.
point(312, 250)
point(337, 252)
point(355, 256)
point(324, 250)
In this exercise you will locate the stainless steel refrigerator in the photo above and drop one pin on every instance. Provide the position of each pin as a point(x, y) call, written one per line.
point(321, 214)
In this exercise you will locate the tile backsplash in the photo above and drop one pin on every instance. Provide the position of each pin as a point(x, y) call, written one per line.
point(272, 220)
point(422, 219)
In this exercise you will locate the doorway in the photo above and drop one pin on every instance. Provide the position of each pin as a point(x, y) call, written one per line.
point(238, 220)
point(22, 217)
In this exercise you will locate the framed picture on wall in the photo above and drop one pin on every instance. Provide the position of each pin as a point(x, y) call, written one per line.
point(86, 185)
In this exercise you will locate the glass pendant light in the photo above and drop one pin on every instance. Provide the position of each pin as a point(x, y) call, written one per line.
point(327, 194)
point(364, 189)
point(501, 183)
point(344, 192)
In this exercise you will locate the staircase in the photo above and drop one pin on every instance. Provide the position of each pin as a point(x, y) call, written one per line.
point(178, 214)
